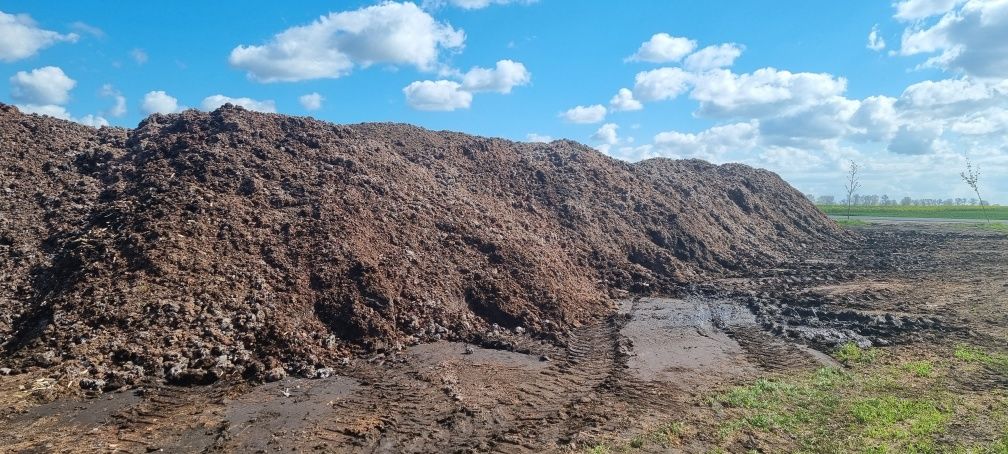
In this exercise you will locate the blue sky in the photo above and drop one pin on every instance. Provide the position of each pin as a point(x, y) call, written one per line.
point(798, 87)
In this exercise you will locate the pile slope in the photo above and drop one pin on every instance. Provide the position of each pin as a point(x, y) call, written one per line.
point(204, 245)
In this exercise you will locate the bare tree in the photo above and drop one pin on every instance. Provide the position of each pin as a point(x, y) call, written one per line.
point(852, 185)
point(971, 176)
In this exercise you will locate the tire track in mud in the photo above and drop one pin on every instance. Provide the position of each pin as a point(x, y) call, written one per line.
point(401, 411)
point(143, 428)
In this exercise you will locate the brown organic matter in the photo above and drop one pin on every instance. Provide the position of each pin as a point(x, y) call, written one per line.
point(201, 246)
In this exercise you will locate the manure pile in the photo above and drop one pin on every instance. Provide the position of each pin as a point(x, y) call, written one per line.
point(200, 246)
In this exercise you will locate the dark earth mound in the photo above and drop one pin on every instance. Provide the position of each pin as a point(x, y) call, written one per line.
point(204, 245)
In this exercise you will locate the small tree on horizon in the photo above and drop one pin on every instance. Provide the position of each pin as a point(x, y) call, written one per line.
point(972, 176)
point(852, 185)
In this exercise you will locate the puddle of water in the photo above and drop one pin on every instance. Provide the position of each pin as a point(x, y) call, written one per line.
point(682, 340)
point(676, 336)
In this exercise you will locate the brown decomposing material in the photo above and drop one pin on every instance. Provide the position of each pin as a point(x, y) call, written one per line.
point(200, 246)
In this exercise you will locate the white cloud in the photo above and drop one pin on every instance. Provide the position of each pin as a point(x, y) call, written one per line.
point(437, 95)
point(972, 38)
point(501, 79)
point(330, 47)
point(51, 110)
point(311, 101)
point(585, 114)
point(911, 10)
point(606, 134)
point(215, 101)
point(660, 84)
point(982, 123)
point(93, 121)
point(713, 57)
point(88, 29)
point(55, 111)
point(709, 144)
point(875, 40)
point(474, 4)
point(915, 139)
point(159, 102)
point(810, 127)
point(930, 94)
point(20, 37)
point(875, 119)
point(539, 138)
point(762, 93)
point(608, 137)
point(119, 108)
point(47, 85)
point(446, 95)
point(139, 56)
point(663, 48)
point(624, 101)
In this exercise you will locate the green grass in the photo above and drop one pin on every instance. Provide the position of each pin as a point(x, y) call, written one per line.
point(947, 212)
point(851, 223)
point(850, 353)
point(877, 404)
point(996, 361)
point(881, 401)
point(922, 369)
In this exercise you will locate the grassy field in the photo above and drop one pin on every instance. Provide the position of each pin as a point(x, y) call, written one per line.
point(948, 212)
point(946, 401)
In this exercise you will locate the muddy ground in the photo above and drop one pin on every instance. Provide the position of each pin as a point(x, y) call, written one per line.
point(907, 288)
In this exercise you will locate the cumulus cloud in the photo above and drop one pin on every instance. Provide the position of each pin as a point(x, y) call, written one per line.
point(709, 144)
point(446, 95)
point(21, 37)
point(311, 101)
point(501, 79)
point(913, 139)
point(538, 138)
point(875, 119)
point(159, 102)
point(437, 95)
point(47, 85)
point(971, 38)
point(663, 48)
point(585, 114)
point(661, 84)
point(912, 10)
point(118, 109)
point(713, 57)
point(802, 125)
point(214, 101)
point(607, 134)
point(875, 41)
point(45, 91)
point(763, 92)
point(624, 101)
point(932, 94)
point(474, 4)
point(389, 33)
point(811, 126)
point(94, 121)
point(51, 110)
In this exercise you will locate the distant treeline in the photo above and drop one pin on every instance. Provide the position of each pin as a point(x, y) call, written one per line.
point(885, 200)
point(994, 212)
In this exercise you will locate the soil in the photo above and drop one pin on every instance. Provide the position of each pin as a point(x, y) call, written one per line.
point(652, 360)
point(202, 247)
